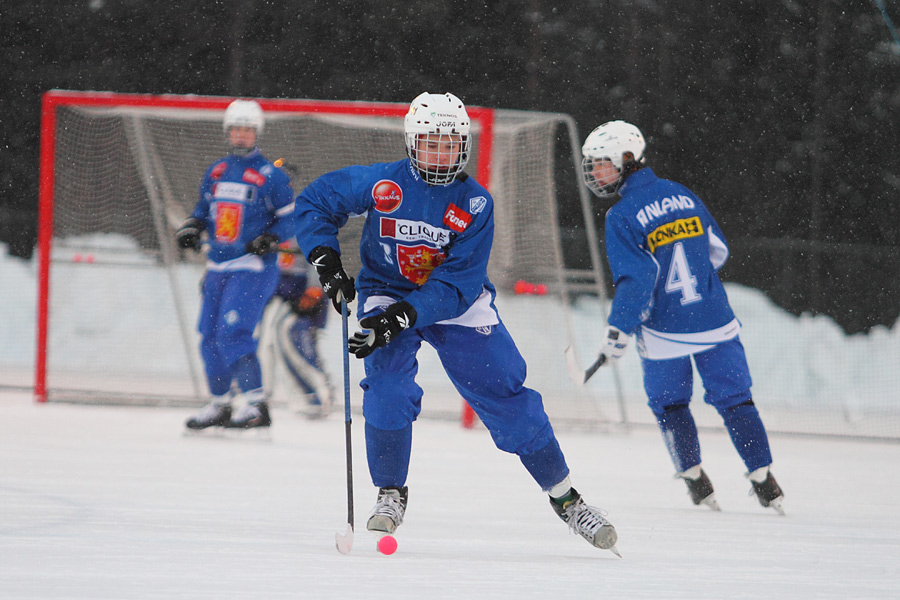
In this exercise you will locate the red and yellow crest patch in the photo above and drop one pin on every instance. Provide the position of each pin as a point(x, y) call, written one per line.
point(229, 219)
point(417, 262)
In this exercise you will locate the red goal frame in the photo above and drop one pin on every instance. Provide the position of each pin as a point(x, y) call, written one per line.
point(54, 99)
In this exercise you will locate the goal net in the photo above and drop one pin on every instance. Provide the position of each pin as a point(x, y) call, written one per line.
point(118, 302)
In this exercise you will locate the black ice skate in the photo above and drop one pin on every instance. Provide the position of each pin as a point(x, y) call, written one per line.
point(213, 414)
point(767, 491)
point(700, 488)
point(255, 414)
point(586, 521)
point(389, 509)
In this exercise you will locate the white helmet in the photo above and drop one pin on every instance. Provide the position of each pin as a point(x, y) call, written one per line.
point(243, 113)
point(620, 143)
point(442, 115)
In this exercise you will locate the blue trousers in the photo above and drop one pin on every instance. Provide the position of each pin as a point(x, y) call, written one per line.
point(726, 381)
point(488, 372)
point(233, 304)
point(723, 369)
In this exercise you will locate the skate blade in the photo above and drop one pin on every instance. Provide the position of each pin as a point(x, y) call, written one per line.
point(314, 413)
point(208, 432)
point(711, 502)
point(777, 505)
point(260, 434)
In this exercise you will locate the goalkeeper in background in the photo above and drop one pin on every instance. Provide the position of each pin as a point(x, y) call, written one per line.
point(665, 250)
point(245, 207)
point(292, 322)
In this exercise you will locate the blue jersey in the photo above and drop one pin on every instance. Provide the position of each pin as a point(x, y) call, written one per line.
point(242, 197)
point(664, 250)
point(428, 245)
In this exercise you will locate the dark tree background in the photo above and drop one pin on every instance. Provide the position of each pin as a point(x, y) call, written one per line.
point(782, 115)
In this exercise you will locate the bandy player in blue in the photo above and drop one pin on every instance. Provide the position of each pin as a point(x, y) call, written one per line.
point(246, 206)
point(425, 247)
point(664, 250)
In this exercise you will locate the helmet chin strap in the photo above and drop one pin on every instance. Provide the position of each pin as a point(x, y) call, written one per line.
point(241, 151)
point(438, 175)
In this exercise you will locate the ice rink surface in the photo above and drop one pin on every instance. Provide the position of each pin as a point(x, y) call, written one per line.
point(115, 502)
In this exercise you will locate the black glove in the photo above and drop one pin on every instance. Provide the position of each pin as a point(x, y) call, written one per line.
point(188, 236)
point(263, 244)
point(334, 279)
point(383, 328)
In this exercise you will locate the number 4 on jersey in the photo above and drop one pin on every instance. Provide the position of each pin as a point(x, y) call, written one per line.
point(680, 279)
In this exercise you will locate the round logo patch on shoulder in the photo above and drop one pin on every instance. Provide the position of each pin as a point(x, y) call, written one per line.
point(387, 195)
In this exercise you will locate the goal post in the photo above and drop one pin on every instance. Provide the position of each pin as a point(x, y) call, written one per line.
point(118, 301)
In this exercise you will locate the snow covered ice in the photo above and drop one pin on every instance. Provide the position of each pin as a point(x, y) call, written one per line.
point(114, 502)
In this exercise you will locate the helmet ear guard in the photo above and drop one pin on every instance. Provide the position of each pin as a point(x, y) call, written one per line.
point(442, 119)
point(629, 164)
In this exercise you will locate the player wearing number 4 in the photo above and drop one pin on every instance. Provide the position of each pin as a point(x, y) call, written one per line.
point(425, 247)
point(664, 250)
point(246, 206)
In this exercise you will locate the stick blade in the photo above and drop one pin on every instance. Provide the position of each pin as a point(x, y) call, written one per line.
point(344, 542)
point(575, 373)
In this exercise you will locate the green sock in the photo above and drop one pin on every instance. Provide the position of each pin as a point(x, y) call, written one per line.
point(566, 498)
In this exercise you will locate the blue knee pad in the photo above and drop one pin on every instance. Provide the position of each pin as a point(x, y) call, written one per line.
point(680, 435)
point(668, 382)
point(747, 434)
point(391, 397)
point(389, 403)
point(547, 466)
point(725, 374)
point(387, 453)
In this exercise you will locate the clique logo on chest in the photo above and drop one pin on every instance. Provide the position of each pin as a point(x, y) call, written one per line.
point(387, 196)
point(413, 231)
